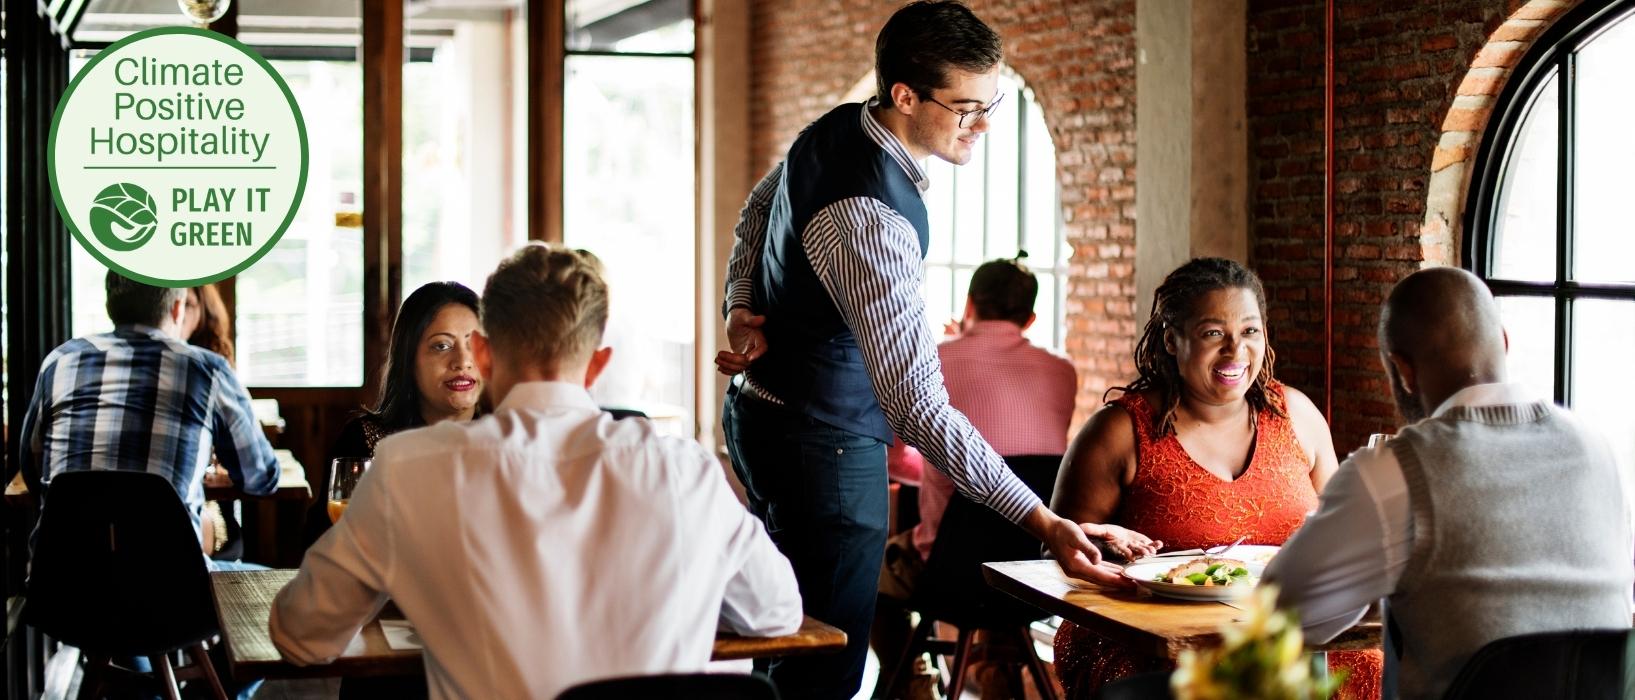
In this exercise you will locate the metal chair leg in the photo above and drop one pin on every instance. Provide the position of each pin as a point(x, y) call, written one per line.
point(167, 676)
point(962, 654)
point(90, 684)
point(201, 658)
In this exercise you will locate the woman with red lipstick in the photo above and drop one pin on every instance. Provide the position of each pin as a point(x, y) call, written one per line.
point(1204, 447)
point(429, 377)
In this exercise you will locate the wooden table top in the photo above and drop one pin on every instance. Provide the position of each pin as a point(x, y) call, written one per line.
point(244, 602)
point(1157, 625)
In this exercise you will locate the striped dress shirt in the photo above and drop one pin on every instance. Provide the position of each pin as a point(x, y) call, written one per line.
point(141, 400)
point(868, 258)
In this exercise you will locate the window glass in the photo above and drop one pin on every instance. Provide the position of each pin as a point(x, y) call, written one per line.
point(300, 308)
point(1529, 323)
point(1603, 332)
point(87, 296)
point(1586, 70)
point(1042, 227)
point(1525, 232)
point(939, 199)
point(1000, 155)
point(970, 205)
point(464, 133)
point(628, 196)
point(1602, 240)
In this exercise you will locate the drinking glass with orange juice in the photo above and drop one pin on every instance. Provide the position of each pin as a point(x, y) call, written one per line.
point(344, 473)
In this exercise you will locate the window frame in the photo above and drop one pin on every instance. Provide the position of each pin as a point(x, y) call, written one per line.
point(1554, 55)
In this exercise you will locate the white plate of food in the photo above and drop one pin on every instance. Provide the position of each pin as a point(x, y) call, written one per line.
point(1197, 577)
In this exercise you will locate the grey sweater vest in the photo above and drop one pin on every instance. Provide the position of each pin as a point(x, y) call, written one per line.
point(1519, 525)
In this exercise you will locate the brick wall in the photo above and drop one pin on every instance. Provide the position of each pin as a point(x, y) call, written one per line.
point(1078, 57)
point(1398, 69)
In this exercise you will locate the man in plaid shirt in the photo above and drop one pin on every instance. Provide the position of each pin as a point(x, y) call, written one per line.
point(141, 398)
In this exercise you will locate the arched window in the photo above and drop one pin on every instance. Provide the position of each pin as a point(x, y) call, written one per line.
point(1003, 201)
point(1550, 226)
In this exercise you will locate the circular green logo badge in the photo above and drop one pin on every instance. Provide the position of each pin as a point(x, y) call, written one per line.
point(178, 156)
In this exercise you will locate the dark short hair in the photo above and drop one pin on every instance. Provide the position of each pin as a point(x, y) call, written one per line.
point(546, 304)
point(132, 302)
point(1004, 290)
point(924, 39)
point(398, 405)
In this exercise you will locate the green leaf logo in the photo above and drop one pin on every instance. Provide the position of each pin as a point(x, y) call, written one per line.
point(124, 216)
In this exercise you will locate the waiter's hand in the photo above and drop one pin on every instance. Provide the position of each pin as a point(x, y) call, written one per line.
point(745, 339)
point(1124, 542)
point(1074, 551)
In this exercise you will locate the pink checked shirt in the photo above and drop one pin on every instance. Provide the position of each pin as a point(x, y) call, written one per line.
point(1019, 397)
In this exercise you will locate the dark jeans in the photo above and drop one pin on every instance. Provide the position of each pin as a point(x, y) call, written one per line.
point(821, 491)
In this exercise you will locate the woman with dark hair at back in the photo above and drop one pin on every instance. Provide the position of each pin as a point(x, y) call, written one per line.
point(207, 326)
point(429, 377)
point(1204, 447)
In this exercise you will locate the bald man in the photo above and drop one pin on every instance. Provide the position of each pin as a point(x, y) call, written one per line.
point(1490, 514)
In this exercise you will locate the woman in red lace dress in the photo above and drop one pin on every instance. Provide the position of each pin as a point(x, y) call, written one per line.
point(1203, 448)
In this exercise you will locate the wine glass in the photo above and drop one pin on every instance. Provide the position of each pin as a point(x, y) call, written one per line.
point(344, 473)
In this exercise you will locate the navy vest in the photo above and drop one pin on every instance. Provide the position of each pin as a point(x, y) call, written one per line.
point(812, 361)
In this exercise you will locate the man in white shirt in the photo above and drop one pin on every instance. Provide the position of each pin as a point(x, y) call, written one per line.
point(1492, 514)
point(545, 544)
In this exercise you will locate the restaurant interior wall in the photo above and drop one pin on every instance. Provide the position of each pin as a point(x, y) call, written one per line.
point(1399, 68)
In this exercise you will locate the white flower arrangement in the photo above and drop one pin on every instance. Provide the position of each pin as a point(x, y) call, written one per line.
point(1263, 657)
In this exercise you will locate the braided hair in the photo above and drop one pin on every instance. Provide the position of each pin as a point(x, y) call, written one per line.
point(1173, 304)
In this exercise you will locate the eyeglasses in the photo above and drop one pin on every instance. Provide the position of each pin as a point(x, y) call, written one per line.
point(969, 117)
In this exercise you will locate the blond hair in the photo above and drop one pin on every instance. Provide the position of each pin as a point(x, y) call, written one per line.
point(546, 303)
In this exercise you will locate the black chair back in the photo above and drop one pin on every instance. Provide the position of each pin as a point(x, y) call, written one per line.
point(951, 587)
point(117, 567)
point(623, 413)
point(681, 686)
point(1577, 665)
